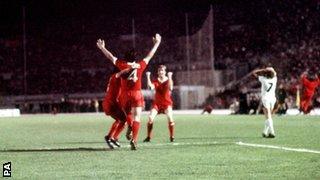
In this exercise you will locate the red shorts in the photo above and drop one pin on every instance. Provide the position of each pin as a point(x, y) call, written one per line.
point(161, 108)
point(130, 99)
point(114, 110)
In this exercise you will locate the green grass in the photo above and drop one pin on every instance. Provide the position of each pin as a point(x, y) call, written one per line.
point(216, 156)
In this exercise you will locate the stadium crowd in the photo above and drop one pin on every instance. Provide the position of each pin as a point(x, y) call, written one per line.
point(59, 61)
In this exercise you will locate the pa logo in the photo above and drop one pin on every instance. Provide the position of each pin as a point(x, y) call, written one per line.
point(6, 172)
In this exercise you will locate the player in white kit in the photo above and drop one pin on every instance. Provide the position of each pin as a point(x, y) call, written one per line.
point(268, 80)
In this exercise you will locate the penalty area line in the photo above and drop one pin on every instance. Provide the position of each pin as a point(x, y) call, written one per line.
point(277, 147)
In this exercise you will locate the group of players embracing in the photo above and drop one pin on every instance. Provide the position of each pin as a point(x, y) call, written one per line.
point(124, 100)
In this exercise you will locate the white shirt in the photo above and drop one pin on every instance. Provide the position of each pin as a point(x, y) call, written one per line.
point(268, 87)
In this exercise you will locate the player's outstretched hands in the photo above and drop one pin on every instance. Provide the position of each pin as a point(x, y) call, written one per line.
point(156, 38)
point(170, 75)
point(100, 44)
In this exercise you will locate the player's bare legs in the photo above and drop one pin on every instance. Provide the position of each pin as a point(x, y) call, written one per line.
point(170, 123)
point(152, 115)
point(136, 112)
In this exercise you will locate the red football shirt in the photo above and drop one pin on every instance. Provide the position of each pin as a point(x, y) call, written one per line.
point(163, 94)
point(133, 81)
point(309, 87)
point(113, 88)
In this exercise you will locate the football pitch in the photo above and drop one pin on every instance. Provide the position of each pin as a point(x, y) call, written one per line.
point(71, 146)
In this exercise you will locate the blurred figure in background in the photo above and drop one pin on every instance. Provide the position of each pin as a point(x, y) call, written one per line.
point(243, 101)
point(309, 83)
point(282, 106)
point(234, 107)
point(96, 105)
point(253, 103)
point(207, 109)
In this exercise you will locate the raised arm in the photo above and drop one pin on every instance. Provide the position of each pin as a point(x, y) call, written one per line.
point(257, 72)
point(150, 84)
point(107, 53)
point(156, 43)
point(170, 81)
point(271, 70)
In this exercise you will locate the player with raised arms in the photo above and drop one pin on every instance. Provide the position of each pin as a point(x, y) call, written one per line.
point(162, 102)
point(111, 105)
point(131, 98)
point(268, 80)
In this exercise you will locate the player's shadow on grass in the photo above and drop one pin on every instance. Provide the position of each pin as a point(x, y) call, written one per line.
point(92, 142)
point(56, 149)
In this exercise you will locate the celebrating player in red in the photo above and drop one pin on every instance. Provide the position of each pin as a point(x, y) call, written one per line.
point(131, 98)
point(310, 82)
point(162, 102)
point(111, 104)
point(112, 108)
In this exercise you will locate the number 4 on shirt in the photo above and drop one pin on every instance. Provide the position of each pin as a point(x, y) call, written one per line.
point(133, 76)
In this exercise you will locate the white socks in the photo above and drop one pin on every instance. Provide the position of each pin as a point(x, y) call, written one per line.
point(268, 127)
point(271, 130)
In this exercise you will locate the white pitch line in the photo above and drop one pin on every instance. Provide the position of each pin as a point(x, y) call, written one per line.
point(237, 143)
point(188, 143)
point(278, 147)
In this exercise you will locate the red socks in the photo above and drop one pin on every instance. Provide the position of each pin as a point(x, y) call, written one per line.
point(171, 128)
point(118, 126)
point(135, 130)
point(113, 129)
point(129, 119)
point(118, 130)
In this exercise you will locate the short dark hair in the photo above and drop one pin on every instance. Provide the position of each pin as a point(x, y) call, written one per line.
point(130, 56)
point(269, 74)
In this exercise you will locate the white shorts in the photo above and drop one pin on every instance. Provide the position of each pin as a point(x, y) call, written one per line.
point(269, 102)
